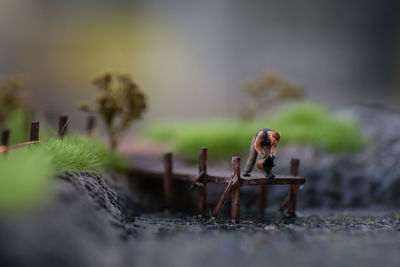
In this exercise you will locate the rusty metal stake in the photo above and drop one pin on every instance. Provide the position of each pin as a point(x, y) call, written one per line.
point(233, 188)
point(223, 198)
point(202, 190)
point(62, 126)
point(235, 205)
point(34, 132)
point(294, 189)
point(291, 199)
point(5, 139)
point(91, 125)
point(168, 190)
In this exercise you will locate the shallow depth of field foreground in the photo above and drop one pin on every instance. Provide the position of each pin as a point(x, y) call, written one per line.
point(199, 133)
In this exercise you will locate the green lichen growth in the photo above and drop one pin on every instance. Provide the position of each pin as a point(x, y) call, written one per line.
point(26, 172)
point(118, 103)
point(303, 123)
point(76, 153)
point(25, 181)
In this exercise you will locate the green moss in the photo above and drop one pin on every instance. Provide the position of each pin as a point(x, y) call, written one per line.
point(18, 123)
point(311, 124)
point(79, 153)
point(25, 172)
point(25, 180)
point(303, 123)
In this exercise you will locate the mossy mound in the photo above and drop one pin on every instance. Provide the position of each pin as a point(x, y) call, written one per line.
point(303, 123)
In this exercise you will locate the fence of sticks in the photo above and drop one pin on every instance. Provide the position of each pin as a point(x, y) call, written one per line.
point(199, 181)
point(233, 182)
point(34, 133)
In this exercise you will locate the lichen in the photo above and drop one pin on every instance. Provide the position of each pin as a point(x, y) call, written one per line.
point(119, 102)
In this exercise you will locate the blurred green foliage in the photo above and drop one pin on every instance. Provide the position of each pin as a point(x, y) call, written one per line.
point(12, 98)
point(303, 123)
point(18, 124)
point(26, 172)
point(14, 109)
point(24, 180)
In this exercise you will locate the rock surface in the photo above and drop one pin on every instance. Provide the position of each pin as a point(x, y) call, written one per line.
point(84, 225)
point(368, 177)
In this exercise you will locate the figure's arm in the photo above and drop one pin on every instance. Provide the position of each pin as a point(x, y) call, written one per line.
point(274, 146)
point(257, 144)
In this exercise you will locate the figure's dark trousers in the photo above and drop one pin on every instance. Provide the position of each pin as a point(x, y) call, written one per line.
point(251, 161)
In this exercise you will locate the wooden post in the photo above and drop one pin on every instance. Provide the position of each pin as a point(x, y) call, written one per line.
point(235, 205)
point(292, 203)
point(62, 126)
point(262, 201)
point(222, 199)
point(5, 139)
point(91, 125)
point(34, 131)
point(202, 190)
point(168, 190)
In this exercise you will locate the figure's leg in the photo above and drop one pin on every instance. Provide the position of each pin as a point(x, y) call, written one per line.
point(251, 161)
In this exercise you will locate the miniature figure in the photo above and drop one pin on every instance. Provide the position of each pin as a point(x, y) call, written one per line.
point(264, 143)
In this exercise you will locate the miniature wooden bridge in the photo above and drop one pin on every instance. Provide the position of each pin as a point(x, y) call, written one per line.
point(234, 183)
point(199, 181)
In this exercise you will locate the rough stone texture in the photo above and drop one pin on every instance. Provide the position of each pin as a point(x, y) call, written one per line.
point(368, 177)
point(106, 192)
point(85, 225)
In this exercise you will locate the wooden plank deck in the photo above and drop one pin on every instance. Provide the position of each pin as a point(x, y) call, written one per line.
point(278, 180)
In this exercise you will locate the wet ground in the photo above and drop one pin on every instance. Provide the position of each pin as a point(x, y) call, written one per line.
point(327, 239)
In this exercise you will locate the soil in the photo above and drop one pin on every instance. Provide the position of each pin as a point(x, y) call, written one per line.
point(334, 239)
point(94, 221)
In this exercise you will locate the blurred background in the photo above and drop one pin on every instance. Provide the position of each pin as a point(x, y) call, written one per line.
point(213, 72)
point(192, 57)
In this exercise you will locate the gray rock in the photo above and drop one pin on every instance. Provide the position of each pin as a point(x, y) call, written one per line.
point(367, 177)
point(85, 224)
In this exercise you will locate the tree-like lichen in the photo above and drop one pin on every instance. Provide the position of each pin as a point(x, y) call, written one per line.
point(11, 98)
point(118, 103)
point(269, 90)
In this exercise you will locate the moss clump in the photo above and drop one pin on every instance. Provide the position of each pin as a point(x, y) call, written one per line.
point(79, 153)
point(303, 123)
point(311, 124)
point(25, 180)
point(25, 172)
